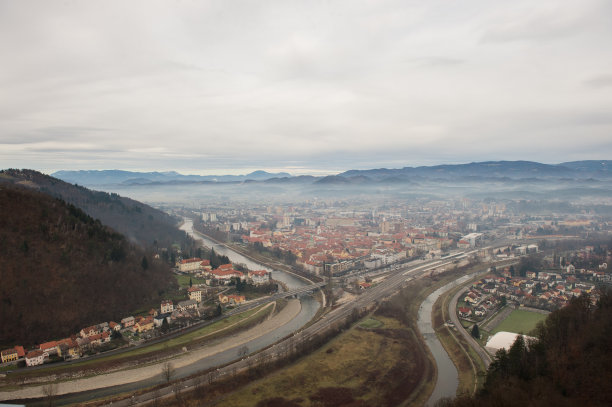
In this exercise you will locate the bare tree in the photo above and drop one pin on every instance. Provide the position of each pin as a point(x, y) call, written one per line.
point(50, 391)
point(176, 389)
point(167, 372)
point(198, 384)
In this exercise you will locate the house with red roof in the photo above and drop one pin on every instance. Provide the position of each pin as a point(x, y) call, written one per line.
point(189, 265)
point(259, 277)
point(34, 358)
point(464, 312)
point(231, 299)
point(49, 348)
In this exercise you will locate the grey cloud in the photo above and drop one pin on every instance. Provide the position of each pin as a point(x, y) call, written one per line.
point(551, 21)
point(435, 61)
point(600, 81)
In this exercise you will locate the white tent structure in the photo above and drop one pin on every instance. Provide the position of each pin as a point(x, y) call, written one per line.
point(504, 340)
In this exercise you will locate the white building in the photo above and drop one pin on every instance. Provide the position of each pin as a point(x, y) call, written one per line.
point(259, 277)
point(504, 340)
point(473, 238)
point(183, 305)
point(194, 294)
point(166, 306)
point(187, 265)
point(36, 357)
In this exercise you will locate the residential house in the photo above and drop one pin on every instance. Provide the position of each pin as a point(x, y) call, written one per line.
point(99, 339)
point(89, 331)
point(144, 324)
point(68, 348)
point(232, 299)
point(195, 294)
point(464, 312)
point(159, 320)
point(188, 304)
point(9, 355)
point(35, 357)
point(20, 351)
point(49, 348)
point(166, 306)
point(471, 298)
point(258, 277)
point(83, 343)
point(480, 311)
point(114, 326)
point(128, 322)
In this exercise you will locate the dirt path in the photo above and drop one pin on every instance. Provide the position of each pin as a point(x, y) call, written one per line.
point(142, 373)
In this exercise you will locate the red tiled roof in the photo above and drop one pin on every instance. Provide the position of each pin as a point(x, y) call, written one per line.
point(185, 261)
point(20, 351)
point(48, 345)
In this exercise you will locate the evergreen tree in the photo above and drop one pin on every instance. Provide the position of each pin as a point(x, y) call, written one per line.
point(165, 327)
point(476, 331)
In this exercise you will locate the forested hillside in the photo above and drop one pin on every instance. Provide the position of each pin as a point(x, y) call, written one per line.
point(140, 223)
point(62, 270)
point(570, 364)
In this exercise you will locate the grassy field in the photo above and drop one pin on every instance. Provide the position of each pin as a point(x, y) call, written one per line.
point(183, 280)
point(356, 365)
point(520, 321)
point(371, 323)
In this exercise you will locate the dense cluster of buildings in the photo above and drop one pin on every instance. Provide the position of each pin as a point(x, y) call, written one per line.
point(341, 236)
point(547, 290)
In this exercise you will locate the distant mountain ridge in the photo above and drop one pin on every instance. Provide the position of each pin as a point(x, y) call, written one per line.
point(110, 177)
point(487, 170)
point(491, 169)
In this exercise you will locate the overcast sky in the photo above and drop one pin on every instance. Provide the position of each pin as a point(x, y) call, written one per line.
point(307, 87)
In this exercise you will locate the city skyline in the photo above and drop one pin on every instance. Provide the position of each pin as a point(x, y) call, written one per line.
point(307, 88)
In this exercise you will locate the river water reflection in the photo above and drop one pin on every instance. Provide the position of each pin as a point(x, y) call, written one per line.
point(448, 379)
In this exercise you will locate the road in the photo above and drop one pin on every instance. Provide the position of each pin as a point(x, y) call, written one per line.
point(452, 311)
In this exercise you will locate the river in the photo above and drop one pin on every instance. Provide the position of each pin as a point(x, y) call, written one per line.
point(309, 308)
point(289, 280)
point(448, 377)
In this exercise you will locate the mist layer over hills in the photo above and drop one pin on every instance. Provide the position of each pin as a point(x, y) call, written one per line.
point(574, 181)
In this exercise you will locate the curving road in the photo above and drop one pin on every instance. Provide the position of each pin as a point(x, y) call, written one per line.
point(452, 311)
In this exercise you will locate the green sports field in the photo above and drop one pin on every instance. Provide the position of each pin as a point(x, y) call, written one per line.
point(520, 321)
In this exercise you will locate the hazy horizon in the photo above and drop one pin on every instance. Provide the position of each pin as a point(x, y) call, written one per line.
point(291, 171)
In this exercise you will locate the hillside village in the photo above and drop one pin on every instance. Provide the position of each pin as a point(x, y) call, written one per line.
point(204, 301)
